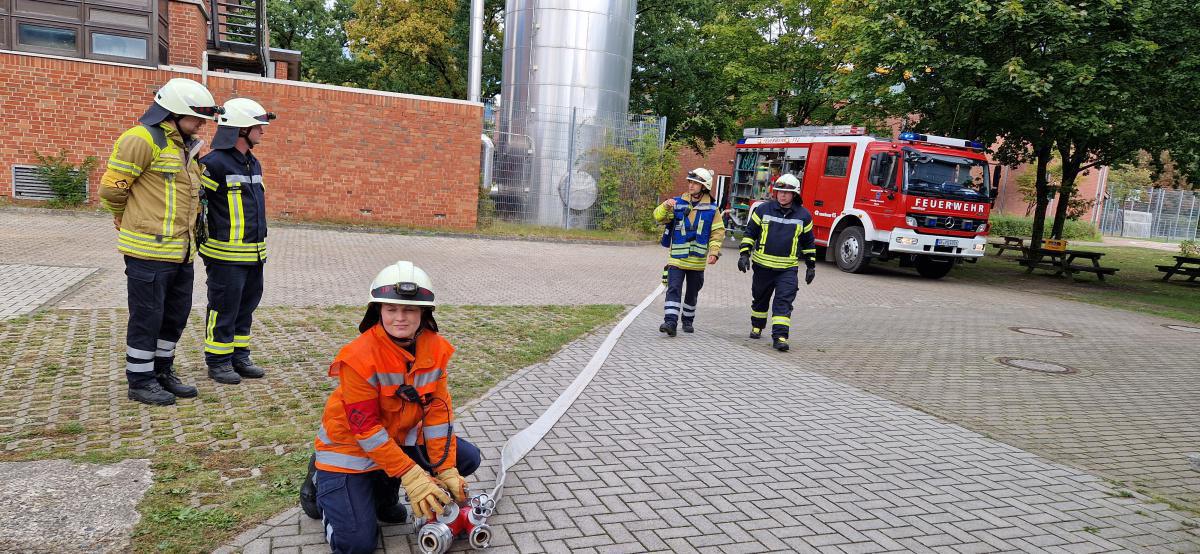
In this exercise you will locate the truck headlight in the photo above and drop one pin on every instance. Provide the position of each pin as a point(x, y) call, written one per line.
point(982, 228)
point(911, 221)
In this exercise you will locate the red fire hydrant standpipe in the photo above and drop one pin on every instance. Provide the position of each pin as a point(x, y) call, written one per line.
point(470, 521)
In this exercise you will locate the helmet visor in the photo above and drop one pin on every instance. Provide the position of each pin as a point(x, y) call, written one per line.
point(403, 292)
point(208, 111)
point(265, 118)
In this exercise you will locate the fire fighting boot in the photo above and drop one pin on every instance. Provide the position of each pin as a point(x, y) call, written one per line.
point(780, 344)
point(165, 375)
point(687, 327)
point(147, 391)
point(308, 490)
point(166, 379)
point(668, 328)
point(224, 374)
point(755, 333)
point(247, 368)
point(388, 508)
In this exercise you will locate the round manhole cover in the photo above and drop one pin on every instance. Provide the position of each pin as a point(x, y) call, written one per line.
point(1036, 365)
point(1040, 332)
point(1183, 328)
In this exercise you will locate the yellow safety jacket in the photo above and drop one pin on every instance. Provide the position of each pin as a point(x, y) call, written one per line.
point(664, 213)
point(153, 183)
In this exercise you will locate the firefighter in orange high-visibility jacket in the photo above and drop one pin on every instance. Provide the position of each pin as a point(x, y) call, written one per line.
point(389, 423)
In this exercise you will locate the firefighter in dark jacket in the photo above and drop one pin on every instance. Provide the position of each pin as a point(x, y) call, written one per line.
point(778, 235)
point(235, 249)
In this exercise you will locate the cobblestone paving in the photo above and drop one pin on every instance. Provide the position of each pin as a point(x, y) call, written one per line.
point(744, 454)
point(830, 440)
point(26, 287)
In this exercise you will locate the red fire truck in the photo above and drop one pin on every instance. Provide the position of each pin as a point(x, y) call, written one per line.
point(923, 199)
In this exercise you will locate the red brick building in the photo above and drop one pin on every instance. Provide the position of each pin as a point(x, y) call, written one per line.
point(335, 153)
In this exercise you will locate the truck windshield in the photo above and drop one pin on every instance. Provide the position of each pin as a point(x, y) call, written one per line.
point(941, 176)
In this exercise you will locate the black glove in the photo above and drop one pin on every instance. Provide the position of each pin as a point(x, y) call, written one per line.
point(744, 262)
point(811, 272)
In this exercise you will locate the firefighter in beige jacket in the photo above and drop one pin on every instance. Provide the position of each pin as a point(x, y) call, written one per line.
point(152, 187)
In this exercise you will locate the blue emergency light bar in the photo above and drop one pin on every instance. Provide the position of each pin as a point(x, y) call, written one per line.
point(944, 141)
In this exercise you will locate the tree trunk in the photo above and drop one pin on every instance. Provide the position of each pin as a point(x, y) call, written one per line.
point(1066, 190)
point(1041, 185)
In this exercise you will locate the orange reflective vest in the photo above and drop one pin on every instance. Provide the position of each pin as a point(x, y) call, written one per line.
point(365, 422)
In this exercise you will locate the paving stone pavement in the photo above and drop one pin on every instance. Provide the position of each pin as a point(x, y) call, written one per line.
point(26, 287)
point(664, 454)
point(321, 267)
point(744, 454)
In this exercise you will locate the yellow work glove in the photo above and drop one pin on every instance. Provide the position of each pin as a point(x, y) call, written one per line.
point(426, 498)
point(455, 483)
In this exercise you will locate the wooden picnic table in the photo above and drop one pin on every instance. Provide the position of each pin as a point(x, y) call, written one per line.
point(1010, 243)
point(1184, 265)
point(1062, 262)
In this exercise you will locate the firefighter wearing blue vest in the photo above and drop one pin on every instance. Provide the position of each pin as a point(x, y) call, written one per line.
point(694, 234)
point(778, 235)
point(151, 186)
point(236, 247)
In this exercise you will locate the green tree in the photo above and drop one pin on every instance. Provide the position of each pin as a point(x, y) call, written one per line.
point(318, 31)
point(1078, 79)
point(677, 72)
point(411, 42)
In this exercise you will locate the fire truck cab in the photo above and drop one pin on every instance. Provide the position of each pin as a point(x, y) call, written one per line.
point(920, 198)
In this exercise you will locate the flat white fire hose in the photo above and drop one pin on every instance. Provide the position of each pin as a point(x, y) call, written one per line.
point(521, 443)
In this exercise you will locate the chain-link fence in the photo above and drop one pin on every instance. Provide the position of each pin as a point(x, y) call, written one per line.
point(548, 163)
point(1154, 213)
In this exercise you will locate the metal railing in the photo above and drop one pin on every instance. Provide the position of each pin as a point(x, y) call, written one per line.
point(1152, 214)
point(237, 26)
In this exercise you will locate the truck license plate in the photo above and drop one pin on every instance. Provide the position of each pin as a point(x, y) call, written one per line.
point(946, 242)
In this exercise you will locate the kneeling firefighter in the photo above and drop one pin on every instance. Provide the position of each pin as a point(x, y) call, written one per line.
point(389, 423)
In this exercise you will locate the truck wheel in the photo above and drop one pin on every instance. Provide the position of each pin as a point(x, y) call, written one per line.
point(851, 253)
point(934, 267)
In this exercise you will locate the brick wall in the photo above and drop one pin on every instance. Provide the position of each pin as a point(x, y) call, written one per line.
point(334, 153)
point(719, 159)
point(188, 33)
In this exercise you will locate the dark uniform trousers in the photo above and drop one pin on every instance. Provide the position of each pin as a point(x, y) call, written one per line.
point(349, 501)
point(676, 279)
point(234, 291)
point(783, 283)
point(160, 299)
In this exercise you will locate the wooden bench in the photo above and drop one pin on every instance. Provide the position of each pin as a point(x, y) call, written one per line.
point(1062, 263)
point(1184, 265)
point(1010, 243)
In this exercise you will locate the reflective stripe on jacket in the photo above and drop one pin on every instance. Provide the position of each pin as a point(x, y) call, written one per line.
point(697, 234)
point(779, 237)
point(153, 184)
point(371, 369)
point(237, 209)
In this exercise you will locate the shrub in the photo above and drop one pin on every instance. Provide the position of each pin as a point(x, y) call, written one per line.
point(1190, 248)
point(68, 181)
point(1001, 225)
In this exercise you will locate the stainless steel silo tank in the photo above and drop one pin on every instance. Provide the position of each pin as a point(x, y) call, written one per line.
point(564, 61)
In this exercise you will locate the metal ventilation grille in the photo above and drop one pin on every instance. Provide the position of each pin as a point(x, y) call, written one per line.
point(28, 185)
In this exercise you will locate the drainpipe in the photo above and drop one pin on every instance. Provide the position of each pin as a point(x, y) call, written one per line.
point(475, 71)
point(486, 162)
